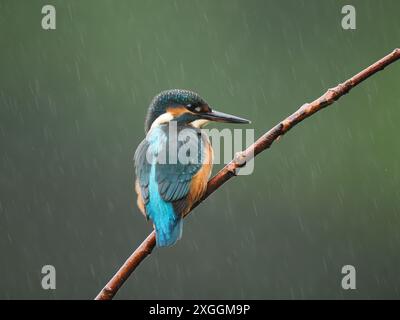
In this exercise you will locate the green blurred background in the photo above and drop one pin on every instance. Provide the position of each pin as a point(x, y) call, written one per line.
point(72, 107)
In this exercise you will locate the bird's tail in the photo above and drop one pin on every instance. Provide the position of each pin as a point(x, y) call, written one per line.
point(168, 230)
point(167, 223)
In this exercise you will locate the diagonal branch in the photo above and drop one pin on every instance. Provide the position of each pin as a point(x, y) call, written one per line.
point(264, 142)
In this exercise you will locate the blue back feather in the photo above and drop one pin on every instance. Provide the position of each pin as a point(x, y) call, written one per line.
point(164, 185)
point(168, 225)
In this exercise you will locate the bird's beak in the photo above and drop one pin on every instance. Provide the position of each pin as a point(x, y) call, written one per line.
point(223, 117)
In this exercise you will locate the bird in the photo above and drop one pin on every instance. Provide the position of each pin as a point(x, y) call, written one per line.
point(168, 184)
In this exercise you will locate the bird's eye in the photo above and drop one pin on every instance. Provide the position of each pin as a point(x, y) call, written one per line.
point(193, 108)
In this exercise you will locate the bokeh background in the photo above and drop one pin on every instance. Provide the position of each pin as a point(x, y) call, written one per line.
point(72, 107)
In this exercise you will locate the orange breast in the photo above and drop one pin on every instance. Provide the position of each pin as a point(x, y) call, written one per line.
point(199, 182)
point(140, 202)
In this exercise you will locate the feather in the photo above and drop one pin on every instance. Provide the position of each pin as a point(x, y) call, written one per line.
point(164, 187)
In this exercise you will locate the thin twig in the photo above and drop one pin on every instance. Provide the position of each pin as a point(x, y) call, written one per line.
point(264, 142)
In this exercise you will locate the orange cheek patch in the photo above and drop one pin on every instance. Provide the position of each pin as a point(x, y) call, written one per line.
point(176, 112)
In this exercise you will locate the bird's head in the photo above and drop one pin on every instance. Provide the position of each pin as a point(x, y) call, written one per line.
point(184, 107)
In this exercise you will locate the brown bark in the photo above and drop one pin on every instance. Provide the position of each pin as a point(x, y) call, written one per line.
point(264, 142)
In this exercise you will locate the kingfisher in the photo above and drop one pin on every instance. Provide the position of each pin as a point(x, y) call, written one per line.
point(174, 161)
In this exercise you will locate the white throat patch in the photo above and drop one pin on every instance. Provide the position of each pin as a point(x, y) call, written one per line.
point(164, 118)
point(200, 123)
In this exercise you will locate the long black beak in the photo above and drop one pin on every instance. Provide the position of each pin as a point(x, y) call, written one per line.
point(223, 117)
